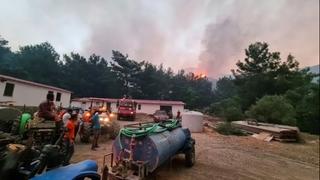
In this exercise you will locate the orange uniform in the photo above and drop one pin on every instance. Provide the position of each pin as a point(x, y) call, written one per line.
point(70, 131)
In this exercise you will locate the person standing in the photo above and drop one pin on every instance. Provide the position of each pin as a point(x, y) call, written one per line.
point(69, 139)
point(96, 130)
point(66, 116)
point(178, 115)
point(77, 123)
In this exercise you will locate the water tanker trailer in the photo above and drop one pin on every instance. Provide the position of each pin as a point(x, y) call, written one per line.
point(141, 148)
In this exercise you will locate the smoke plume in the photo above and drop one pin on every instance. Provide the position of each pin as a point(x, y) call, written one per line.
point(208, 35)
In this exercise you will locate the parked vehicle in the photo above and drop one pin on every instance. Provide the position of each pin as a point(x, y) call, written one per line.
point(159, 116)
point(141, 148)
point(126, 109)
point(23, 162)
point(18, 161)
point(107, 122)
point(13, 121)
point(83, 170)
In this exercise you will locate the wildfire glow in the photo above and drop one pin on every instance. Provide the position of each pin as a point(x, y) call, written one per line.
point(201, 74)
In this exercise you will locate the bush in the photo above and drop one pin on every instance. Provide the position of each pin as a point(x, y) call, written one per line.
point(226, 128)
point(306, 102)
point(273, 109)
point(229, 109)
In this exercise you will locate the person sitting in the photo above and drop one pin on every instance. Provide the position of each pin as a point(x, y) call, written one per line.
point(47, 108)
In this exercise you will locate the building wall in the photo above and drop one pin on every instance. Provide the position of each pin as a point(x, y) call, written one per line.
point(114, 108)
point(24, 94)
point(148, 108)
point(145, 108)
point(176, 108)
point(151, 108)
point(86, 105)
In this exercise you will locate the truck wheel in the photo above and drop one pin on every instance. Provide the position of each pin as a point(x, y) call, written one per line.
point(85, 134)
point(190, 156)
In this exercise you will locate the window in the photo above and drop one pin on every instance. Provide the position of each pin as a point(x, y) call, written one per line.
point(58, 98)
point(139, 106)
point(8, 91)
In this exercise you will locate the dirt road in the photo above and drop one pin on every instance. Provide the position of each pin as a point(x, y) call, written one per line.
point(232, 157)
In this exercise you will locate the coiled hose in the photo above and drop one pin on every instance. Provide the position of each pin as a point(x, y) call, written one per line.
point(149, 129)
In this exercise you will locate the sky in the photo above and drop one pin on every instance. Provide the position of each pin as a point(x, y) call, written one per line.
point(204, 36)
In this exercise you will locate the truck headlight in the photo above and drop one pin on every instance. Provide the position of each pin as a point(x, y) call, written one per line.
point(104, 119)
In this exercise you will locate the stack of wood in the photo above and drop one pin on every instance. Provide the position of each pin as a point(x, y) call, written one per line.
point(278, 132)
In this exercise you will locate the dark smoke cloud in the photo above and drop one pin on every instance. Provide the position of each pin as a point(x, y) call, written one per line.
point(290, 26)
point(209, 35)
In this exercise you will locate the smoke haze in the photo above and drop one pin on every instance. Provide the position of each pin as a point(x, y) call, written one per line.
point(207, 36)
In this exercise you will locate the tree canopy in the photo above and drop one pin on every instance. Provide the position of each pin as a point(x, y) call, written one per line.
point(269, 89)
point(262, 85)
point(96, 76)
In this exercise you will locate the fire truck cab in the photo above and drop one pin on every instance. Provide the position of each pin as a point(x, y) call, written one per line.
point(126, 109)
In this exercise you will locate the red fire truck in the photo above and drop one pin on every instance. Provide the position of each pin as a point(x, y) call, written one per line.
point(126, 109)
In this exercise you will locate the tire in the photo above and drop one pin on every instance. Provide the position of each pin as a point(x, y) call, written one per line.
point(86, 132)
point(15, 126)
point(7, 118)
point(190, 156)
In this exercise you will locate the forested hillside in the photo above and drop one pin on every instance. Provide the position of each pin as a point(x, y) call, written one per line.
point(99, 77)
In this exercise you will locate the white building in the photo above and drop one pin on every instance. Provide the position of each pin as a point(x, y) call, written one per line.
point(143, 106)
point(20, 92)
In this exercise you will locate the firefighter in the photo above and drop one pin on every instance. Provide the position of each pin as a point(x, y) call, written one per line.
point(69, 138)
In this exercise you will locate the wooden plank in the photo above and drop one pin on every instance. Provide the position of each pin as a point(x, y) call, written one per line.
point(263, 136)
point(286, 133)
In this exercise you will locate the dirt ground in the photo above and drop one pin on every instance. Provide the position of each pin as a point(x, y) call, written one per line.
point(231, 157)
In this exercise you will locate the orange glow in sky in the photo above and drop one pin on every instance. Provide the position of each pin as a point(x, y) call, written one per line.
point(201, 74)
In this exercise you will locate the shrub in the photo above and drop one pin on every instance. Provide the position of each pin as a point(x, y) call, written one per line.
point(273, 109)
point(306, 102)
point(229, 109)
point(227, 128)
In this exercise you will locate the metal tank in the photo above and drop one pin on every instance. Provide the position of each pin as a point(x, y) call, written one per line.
point(154, 149)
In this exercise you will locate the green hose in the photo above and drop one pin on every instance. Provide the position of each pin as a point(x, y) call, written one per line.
point(149, 129)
